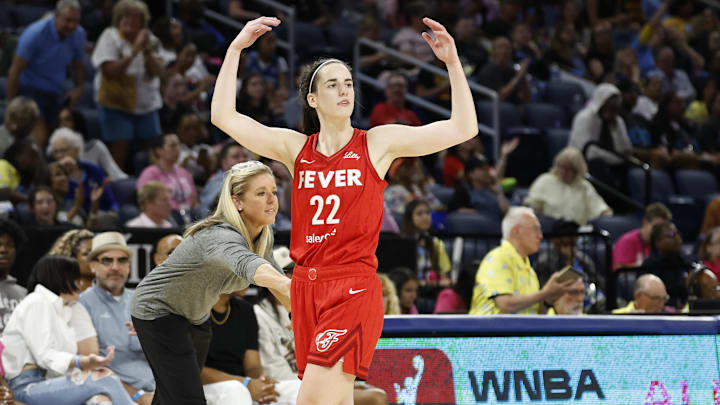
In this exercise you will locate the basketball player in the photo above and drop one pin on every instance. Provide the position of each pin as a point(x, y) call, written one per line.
point(219, 255)
point(337, 204)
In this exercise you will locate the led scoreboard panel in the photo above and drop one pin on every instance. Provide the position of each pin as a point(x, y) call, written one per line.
point(542, 360)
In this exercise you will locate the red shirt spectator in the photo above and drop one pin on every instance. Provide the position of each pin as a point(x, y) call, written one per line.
point(393, 110)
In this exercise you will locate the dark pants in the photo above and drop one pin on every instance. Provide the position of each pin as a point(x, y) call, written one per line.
point(176, 351)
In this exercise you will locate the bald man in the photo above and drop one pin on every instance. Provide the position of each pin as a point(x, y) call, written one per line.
point(650, 296)
point(165, 247)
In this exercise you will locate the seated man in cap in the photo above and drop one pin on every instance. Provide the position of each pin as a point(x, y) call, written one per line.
point(108, 302)
point(479, 191)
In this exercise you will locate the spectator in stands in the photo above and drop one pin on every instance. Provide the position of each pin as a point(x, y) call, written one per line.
point(164, 247)
point(169, 31)
point(76, 243)
point(502, 26)
point(19, 169)
point(702, 284)
point(600, 58)
point(165, 153)
point(254, 99)
point(472, 54)
point(707, 133)
point(456, 299)
point(673, 79)
point(408, 40)
point(709, 250)
point(46, 50)
point(565, 51)
point(108, 302)
point(647, 102)
point(500, 75)
point(174, 92)
point(154, 200)
point(284, 183)
point(454, 163)
point(44, 208)
point(197, 79)
point(236, 10)
point(433, 263)
point(667, 261)
point(673, 136)
point(43, 337)
point(525, 48)
point(712, 216)
point(632, 248)
point(650, 296)
point(638, 128)
point(599, 122)
point(479, 191)
point(96, 194)
point(698, 112)
point(627, 68)
point(66, 142)
point(70, 208)
point(393, 109)
point(12, 239)
point(94, 150)
point(265, 60)
point(406, 284)
point(127, 83)
point(231, 154)
point(233, 366)
point(565, 252)
point(572, 302)
point(564, 193)
point(506, 283)
point(391, 303)
point(408, 182)
point(21, 120)
point(196, 156)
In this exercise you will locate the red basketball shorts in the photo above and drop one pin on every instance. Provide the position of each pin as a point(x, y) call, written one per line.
point(337, 313)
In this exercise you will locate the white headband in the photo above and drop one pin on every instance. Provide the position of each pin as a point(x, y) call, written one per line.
point(312, 78)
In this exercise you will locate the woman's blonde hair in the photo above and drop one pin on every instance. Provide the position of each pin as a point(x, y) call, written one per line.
point(388, 290)
point(572, 155)
point(124, 7)
point(235, 184)
point(69, 243)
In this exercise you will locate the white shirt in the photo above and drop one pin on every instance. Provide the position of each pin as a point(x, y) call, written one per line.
point(143, 221)
point(578, 202)
point(276, 341)
point(112, 47)
point(44, 331)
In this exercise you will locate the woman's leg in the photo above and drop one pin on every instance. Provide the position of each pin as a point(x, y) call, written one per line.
point(76, 388)
point(168, 346)
point(326, 386)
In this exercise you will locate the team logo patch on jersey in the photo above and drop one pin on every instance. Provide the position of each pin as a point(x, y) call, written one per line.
point(324, 340)
point(351, 155)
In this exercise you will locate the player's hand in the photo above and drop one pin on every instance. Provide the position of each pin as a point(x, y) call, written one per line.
point(443, 46)
point(252, 31)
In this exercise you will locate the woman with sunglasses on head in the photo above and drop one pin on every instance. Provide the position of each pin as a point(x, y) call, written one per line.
point(223, 253)
point(337, 203)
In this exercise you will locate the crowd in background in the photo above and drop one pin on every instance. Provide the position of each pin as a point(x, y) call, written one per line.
point(106, 127)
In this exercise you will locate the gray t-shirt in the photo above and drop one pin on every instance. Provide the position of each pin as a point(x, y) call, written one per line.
point(216, 260)
point(10, 296)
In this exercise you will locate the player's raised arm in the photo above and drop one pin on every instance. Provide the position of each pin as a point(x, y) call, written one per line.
point(392, 141)
point(275, 143)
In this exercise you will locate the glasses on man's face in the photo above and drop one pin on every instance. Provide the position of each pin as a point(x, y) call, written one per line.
point(660, 299)
point(108, 261)
point(576, 293)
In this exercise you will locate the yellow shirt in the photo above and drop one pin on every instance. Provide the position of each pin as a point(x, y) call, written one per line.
point(627, 309)
point(503, 272)
point(9, 176)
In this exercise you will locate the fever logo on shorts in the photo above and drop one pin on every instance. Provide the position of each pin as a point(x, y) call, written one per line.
point(324, 340)
point(413, 376)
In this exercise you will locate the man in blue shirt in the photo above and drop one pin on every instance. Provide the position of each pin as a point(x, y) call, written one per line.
point(108, 302)
point(45, 50)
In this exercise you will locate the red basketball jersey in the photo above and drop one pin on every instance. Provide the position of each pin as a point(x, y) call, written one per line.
point(337, 205)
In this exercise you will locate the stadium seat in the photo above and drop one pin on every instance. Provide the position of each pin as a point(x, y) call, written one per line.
point(92, 122)
point(3, 87)
point(444, 194)
point(544, 116)
point(530, 159)
point(125, 191)
point(557, 139)
point(698, 184)
point(568, 95)
point(463, 223)
point(343, 38)
point(662, 187)
point(88, 97)
point(24, 15)
point(140, 161)
point(128, 212)
point(616, 225)
point(508, 113)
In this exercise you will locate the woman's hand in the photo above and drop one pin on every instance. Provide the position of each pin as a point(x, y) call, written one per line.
point(252, 31)
point(443, 46)
point(95, 361)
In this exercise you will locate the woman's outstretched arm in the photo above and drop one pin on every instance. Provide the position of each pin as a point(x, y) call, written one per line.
point(274, 143)
point(388, 142)
point(278, 284)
